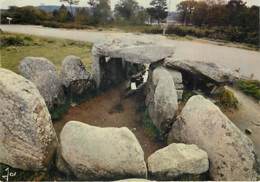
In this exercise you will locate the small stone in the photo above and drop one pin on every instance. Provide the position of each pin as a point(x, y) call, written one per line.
point(248, 131)
point(178, 162)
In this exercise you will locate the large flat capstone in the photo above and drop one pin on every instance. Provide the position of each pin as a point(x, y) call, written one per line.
point(132, 51)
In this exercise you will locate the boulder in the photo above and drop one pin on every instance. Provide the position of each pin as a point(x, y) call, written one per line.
point(161, 99)
point(131, 50)
point(75, 78)
point(44, 75)
point(210, 71)
point(231, 153)
point(178, 162)
point(93, 153)
point(27, 136)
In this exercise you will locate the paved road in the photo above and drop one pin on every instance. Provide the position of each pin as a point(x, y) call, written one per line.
point(234, 58)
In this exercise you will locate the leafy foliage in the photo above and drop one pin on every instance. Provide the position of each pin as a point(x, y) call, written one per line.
point(129, 11)
point(100, 12)
point(62, 15)
point(250, 87)
point(7, 40)
point(234, 13)
point(226, 99)
point(158, 10)
point(25, 15)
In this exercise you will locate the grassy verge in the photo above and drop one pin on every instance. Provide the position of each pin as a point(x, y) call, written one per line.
point(250, 87)
point(14, 47)
point(150, 127)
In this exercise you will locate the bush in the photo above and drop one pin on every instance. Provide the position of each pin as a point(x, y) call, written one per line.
point(53, 24)
point(12, 41)
point(226, 99)
point(153, 30)
point(250, 87)
point(233, 34)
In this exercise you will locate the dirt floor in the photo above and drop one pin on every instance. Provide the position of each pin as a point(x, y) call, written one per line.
point(108, 110)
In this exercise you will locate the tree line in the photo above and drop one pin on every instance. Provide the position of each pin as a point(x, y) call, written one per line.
point(214, 19)
point(216, 13)
point(96, 12)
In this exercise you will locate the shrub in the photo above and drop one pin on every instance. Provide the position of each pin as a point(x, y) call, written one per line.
point(226, 99)
point(152, 30)
point(12, 41)
point(15, 40)
point(234, 34)
point(250, 87)
point(54, 24)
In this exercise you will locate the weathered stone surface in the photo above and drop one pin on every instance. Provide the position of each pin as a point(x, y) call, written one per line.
point(44, 75)
point(93, 153)
point(129, 50)
point(177, 79)
point(210, 71)
point(133, 180)
point(27, 136)
point(161, 99)
point(231, 153)
point(176, 76)
point(178, 161)
point(74, 76)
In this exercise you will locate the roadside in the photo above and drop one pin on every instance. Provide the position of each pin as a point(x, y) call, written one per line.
point(247, 61)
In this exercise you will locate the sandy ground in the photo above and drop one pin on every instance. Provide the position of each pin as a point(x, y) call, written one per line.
point(100, 111)
point(234, 58)
point(247, 117)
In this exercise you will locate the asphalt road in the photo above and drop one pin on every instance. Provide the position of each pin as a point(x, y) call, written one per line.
point(235, 58)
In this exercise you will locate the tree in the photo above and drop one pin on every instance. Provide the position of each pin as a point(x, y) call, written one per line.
point(185, 10)
point(100, 11)
point(158, 10)
point(71, 2)
point(62, 15)
point(82, 15)
point(200, 13)
point(127, 9)
point(25, 15)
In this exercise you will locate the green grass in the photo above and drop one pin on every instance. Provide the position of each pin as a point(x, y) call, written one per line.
point(250, 87)
point(150, 128)
point(19, 46)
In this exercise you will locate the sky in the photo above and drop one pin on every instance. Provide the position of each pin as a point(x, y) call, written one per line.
point(5, 3)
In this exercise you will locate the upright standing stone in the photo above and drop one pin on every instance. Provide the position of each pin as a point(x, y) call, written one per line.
point(231, 152)
point(162, 99)
point(75, 78)
point(44, 75)
point(27, 136)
